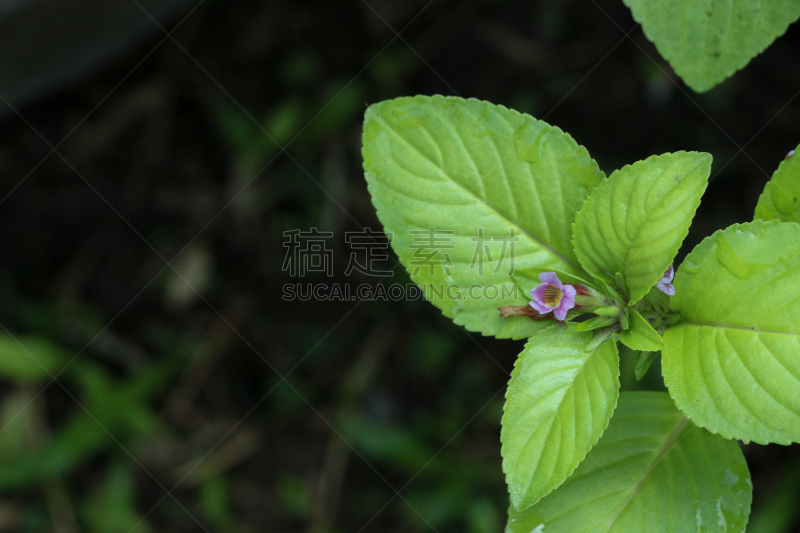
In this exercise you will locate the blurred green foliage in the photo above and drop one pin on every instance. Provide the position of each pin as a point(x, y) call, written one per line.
point(112, 507)
point(108, 417)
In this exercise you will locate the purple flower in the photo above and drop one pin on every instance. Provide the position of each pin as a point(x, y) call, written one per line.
point(665, 283)
point(552, 295)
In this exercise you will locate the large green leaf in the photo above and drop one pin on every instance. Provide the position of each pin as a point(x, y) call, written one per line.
point(635, 221)
point(558, 403)
point(484, 174)
point(733, 365)
point(781, 196)
point(706, 41)
point(653, 471)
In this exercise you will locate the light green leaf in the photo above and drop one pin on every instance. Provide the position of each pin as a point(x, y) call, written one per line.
point(733, 365)
point(707, 41)
point(635, 221)
point(641, 335)
point(454, 181)
point(643, 362)
point(781, 196)
point(558, 403)
point(653, 471)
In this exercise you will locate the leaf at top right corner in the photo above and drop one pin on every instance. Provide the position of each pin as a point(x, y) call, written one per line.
point(705, 41)
point(733, 365)
point(781, 197)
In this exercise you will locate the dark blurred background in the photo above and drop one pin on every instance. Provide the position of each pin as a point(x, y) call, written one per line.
point(154, 377)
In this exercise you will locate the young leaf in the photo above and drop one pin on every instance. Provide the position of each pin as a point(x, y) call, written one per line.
point(558, 403)
point(705, 42)
point(652, 471)
point(597, 322)
point(732, 366)
point(643, 362)
point(641, 335)
point(635, 221)
point(781, 194)
point(472, 192)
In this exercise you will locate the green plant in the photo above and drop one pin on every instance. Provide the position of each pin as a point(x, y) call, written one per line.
point(512, 230)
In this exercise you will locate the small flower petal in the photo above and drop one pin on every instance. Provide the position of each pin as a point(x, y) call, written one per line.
point(550, 278)
point(568, 297)
point(542, 308)
point(567, 302)
point(537, 295)
point(669, 274)
point(665, 283)
point(666, 287)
